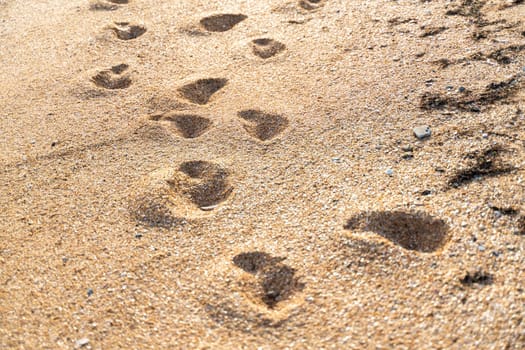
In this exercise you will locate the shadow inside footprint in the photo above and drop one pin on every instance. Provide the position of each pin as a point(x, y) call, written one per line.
point(127, 31)
point(114, 78)
point(222, 22)
point(106, 5)
point(200, 91)
point(210, 185)
point(186, 125)
point(266, 48)
point(411, 230)
point(310, 4)
point(253, 262)
point(277, 281)
point(261, 125)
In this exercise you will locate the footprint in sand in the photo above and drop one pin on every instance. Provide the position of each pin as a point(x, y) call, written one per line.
point(113, 78)
point(221, 22)
point(410, 230)
point(201, 91)
point(261, 125)
point(276, 281)
point(266, 48)
point(310, 4)
point(170, 196)
point(185, 125)
point(106, 5)
point(127, 31)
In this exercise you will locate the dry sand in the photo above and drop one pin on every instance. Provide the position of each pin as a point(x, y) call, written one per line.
point(244, 174)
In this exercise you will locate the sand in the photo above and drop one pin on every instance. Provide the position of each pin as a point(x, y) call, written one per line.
point(244, 174)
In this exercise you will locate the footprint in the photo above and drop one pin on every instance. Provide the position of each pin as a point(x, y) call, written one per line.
point(106, 5)
point(261, 125)
point(266, 48)
point(310, 4)
point(200, 91)
point(276, 281)
point(114, 78)
point(169, 196)
point(208, 185)
point(411, 230)
point(127, 31)
point(221, 23)
point(186, 125)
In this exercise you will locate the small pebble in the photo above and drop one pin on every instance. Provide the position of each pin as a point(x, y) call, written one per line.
point(481, 248)
point(407, 148)
point(426, 193)
point(461, 89)
point(485, 136)
point(450, 88)
point(90, 292)
point(422, 132)
point(389, 172)
point(82, 342)
point(138, 235)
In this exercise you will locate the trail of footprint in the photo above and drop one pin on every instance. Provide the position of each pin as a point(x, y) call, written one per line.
point(113, 78)
point(169, 196)
point(201, 91)
point(261, 125)
point(221, 22)
point(128, 31)
point(266, 48)
point(277, 281)
point(410, 230)
point(186, 125)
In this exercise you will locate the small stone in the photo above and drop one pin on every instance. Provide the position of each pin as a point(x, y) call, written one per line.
point(82, 342)
point(422, 132)
point(426, 193)
point(450, 88)
point(462, 89)
point(481, 248)
point(138, 235)
point(407, 148)
point(90, 292)
point(485, 136)
point(389, 172)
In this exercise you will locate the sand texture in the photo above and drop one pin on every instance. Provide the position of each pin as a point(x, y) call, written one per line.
point(243, 174)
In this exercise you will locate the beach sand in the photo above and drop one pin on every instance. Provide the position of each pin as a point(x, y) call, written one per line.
point(245, 174)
